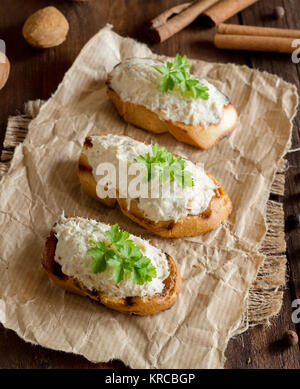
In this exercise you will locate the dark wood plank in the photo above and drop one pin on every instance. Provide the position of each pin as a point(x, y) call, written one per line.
point(261, 347)
point(17, 354)
point(36, 74)
point(283, 66)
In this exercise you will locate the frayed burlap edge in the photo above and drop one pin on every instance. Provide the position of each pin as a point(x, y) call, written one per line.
point(266, 294)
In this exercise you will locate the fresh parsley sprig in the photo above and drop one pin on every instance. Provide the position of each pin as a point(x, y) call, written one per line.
point(164, 165)
point(175, 73)
point(122, 255)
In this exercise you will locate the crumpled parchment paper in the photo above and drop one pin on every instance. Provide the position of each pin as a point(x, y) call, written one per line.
point(42, 181)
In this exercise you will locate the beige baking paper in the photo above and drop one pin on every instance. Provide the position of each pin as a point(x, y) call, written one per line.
point(42, 181)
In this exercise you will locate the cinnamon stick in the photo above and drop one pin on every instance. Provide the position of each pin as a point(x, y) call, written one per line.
point(164, 16)
point(254, 43)
point(223, 10)
point(237, 29)
point(163, 28)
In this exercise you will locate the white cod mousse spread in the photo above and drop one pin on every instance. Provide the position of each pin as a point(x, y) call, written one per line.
point(179, 203)
point(73, 241)
point(136, 81)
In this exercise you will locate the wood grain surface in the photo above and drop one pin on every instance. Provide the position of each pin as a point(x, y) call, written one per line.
point(36, 74)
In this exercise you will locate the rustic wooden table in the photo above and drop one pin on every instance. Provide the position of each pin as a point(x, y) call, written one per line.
point(36, 74)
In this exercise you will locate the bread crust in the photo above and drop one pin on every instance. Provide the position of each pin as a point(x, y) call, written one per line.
point(132, 305)
point(203, 137)
point(218, 209)
point(191, 225)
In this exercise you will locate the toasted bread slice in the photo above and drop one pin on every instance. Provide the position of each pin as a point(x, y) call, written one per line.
point(192, 225)
point(218, 210)
point(136, 305)
point(203, 137)
point(134, 86)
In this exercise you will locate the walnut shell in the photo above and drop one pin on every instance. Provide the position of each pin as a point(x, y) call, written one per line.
point(4, 69)
point(46, 28)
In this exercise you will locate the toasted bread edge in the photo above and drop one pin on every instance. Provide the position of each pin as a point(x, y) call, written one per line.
point(218, 210)
point(203, 137)
point(132, 305)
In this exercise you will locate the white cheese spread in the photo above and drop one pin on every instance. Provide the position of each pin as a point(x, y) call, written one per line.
point(136, 81)
point(179, 202)
point(73, 241)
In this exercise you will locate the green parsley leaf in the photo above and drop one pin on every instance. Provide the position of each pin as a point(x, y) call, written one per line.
point(165, 166)
point(98, 253)
point(122, 255)
point(137, 275)
point(175, 73)
point(118, 273)
point(116, 235)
